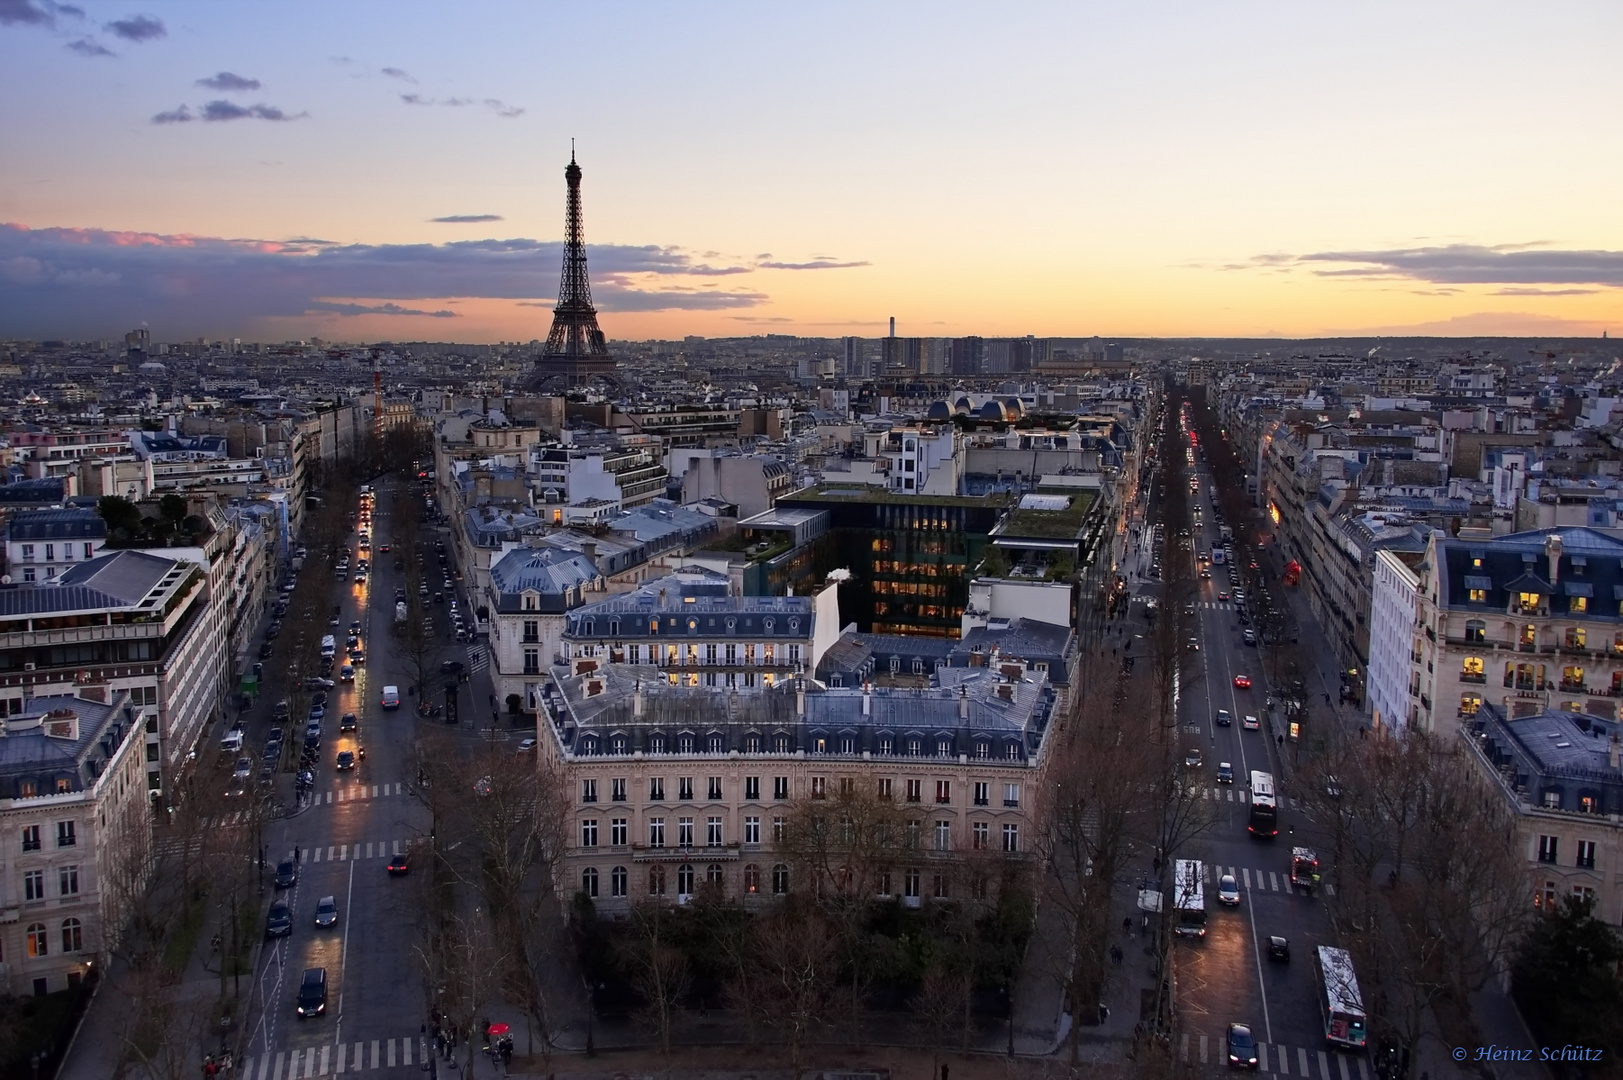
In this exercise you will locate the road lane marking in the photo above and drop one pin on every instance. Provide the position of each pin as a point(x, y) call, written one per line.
point(1183, 1046)
point(326, 1054)
point(375, 1049)
point(1245, 872)
point(1203, 1042)
point(1342, 1058)
point(1262, 1057)
point(310, 1062)
point(1324, 1065)
point(374, 791)
point(343, 851)
point(1363, 1070)
point(331, 851)
point(276, 1073)
point(405, 1051)
point(1301, 1061)
point(391, 1056)
point(1273, 881)
point(1284, 1060)
point(338, 1064)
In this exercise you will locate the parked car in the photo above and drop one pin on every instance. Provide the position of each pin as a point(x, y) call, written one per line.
point(279, 920)
point(287, 874)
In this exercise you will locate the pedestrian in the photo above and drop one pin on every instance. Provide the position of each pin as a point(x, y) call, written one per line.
point(1127, 925)
point(296, 853)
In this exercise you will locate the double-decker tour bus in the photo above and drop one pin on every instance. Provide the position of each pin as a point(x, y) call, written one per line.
point(1189, 897)
point(1264, 807)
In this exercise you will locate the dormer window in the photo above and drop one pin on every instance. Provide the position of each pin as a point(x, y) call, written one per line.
point(1479, 596)
point(1527, 599)
point(767, 625)
point(1578, 604)
point(732, 624)
point(529, 602)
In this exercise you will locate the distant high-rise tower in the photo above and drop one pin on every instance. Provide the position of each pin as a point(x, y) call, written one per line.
point(576, 349)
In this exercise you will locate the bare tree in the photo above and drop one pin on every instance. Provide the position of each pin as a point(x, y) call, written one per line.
point(796, 962)
point(658, 967)
point(461, 958)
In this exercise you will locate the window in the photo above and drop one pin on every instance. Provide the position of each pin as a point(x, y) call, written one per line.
point(1552, 801)
point(656, 790)
point(780, 879)
point(887, 745)
point(1586, 855)
point(684, 832)
point(943, 836)
point(941, 886)
point(712, 832)
point(914, 747)
point(983, 793)
point(656, 832)
point(588, 881)
point(72, 939)
point(848, 744)
point(885, 788)
point(37, 945)
point(1478, 596)
point(1576, 637)
point(617, 790)
point(684, 744)
point(943, 792)
point(1011, 795)
point(819, 787)
point(1011, 838)
point(982, 836)
point(67, 878)
point(752, 788)
point(532, 661)
point(1547, 847)
point(983, 749)
point(684, 789)
point(28, 551)
point(65, 834)
point(617, 831)
point(588, 791)
point(915, 790)
point(684, 880)
point(617, 881)
point(1476, 631)
point(943, 747)
point(779, 824)
point(1527, 600)
point(1472, 669)
point(1012, 751)
point(532, 632)
point(713, 876)
point(910, 883)
point(1577, 604)
point(752, 830)
point(752, 878)
point(713, 786)
point(780, 787)
point(656, 880)
point(588, 833)
point(34, 885)
point(30, 837)
point(1544, 898)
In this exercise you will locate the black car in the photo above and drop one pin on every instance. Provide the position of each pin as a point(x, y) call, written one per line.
point(265, 650)
point(313, 992)
point(279, 922)
point(287, 874)
point(1242, 1047)
point(1279, 949)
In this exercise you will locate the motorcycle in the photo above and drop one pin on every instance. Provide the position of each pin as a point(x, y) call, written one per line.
point(363, 753)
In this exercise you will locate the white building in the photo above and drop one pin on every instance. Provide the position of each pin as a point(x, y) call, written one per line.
point(1392, 693)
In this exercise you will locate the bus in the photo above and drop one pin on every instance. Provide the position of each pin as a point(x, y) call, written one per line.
point(1217, 555)
point(1189, 897)
point(1264, 806)
point(1339, 1000)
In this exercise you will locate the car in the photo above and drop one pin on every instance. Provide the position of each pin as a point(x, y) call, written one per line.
point(526, 746)
point(1194, 644)
point(244, 769)
point(354, 641)
point(1332, 787)
point(287, 874)
point(399, 866)
point(313, 992)
point(1205, 573)
point(1242, 682)
point(1224, 718)
point(1192, 757)
point(327, 911)
point(346, 673)
point(357, 655)
point(1250, 723)
point(1249, 637)
point(384, 548)
point(1242, 1047)
point(348, 722)
point(345, 761)
point(1228, 890)
point(1225, 773)
point(1279, 949)
point(265, 650)
point(306, 779)
point(279, 920)
point(314, 683)
point(1222, 594)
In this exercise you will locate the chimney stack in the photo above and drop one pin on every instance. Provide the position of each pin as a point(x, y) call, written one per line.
point(1552, 548)
point(867, 698)
point(1613, 752)
point(800, 698)
point(963, 702)
point(636, 701)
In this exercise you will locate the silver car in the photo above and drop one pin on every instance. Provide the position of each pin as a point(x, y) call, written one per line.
point(327, 912)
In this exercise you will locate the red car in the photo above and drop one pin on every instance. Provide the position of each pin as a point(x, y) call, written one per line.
point(1242, 682)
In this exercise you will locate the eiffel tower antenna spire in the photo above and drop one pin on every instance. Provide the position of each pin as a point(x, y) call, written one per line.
point(576, 347)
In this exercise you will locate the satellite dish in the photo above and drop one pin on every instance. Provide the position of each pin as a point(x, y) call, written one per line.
point(5, 579)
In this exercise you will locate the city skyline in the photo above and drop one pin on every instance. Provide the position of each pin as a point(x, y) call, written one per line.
point(1260, 172)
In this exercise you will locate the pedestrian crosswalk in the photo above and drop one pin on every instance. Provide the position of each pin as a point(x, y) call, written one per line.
point(1258, 880)
point(1277, 1058)
point(335, 1059)
point(478, 659)
point(381, 849)
point(1226, 793)
point(357, 792)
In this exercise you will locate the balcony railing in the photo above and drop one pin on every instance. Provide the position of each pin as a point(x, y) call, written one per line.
point(1573, 686)
point(1473, 677)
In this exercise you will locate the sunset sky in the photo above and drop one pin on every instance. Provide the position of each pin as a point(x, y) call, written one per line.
point(276, 170)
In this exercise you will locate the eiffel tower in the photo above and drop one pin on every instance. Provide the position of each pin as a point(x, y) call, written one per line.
point(576, 349)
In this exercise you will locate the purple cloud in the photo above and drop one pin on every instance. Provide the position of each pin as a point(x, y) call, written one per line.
point(36, 13)
point(137, 28)
point(398, 73)
point(228, 81)
point(818, 263)
point(89, 47)
point(90, 282)
point(179, 115)
point(379, 309)
point(465, 219)
point(1471, 264)
point(502, 109)
point(227, 110)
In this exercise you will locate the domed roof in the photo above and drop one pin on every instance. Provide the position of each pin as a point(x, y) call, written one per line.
point(1014, 406)
point(940, 410)
point(992, 410)
point(963, 404)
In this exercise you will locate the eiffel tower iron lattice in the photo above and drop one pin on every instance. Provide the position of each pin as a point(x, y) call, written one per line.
point(576, 348)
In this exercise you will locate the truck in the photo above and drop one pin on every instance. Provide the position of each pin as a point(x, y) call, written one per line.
point(329, 645)
point(1304, 869)
point(1227, 534)
point(400, 611)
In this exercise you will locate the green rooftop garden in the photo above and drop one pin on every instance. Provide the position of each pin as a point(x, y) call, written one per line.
point(1050, 524)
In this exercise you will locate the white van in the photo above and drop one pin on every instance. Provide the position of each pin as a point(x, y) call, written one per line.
point(391, 697)
point(231, 742)
point(329, 645)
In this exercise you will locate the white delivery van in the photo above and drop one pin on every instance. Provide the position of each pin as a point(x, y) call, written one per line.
point(400, 611)
point(391, 697)
point(329, 645)
point(231, 742)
